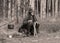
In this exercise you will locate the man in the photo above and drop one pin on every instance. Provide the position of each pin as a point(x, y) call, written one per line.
point(28, 22)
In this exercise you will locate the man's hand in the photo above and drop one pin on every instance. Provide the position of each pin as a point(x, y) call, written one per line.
point(30, 21)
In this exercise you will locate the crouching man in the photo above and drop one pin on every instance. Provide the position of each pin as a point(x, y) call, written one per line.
point(28, 24)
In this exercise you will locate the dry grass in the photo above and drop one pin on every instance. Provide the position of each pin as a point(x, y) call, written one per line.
point(48, 34)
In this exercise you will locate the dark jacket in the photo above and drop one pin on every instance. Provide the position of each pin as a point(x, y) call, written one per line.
point(30, 17)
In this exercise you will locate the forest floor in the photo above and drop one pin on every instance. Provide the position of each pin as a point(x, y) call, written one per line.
point(49, 32)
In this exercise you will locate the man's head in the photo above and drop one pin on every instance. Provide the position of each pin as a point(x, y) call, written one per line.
point(30, 11)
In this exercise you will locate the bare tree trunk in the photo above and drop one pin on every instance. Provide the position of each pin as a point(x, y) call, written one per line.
point(32, 4)
point(18, 9)
point(49, 8)
point(1, 8)
point(56, 8)
point(53, 7)
point(37, 7)
point(12, 4)
point(13, 9)
point(41, 9)
point(4, 8)
point(24, 9)
point(9, 10)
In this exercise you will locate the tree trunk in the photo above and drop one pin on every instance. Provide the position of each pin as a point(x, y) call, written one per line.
point(9, 10)
point(41, 9)
point(4, 8)
point(56, 8)
point(18, 10)
point(53, 7)
point(32, 4)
